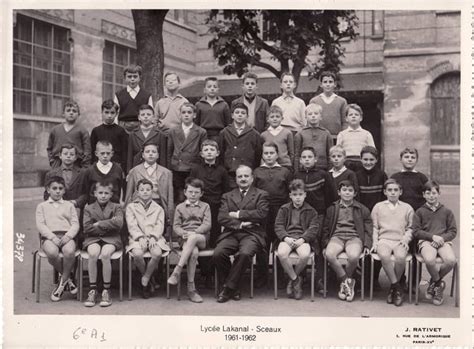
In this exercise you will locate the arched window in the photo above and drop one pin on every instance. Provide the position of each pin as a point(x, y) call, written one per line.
point(445, 128)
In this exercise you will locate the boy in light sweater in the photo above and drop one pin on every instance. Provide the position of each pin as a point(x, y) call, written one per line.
point(392, 220)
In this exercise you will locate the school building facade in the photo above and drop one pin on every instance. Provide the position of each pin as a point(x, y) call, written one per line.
point(403, 70)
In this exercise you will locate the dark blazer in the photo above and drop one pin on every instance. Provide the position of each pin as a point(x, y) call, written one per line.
point(261, 111)
point(362, 222)
point(111, 221)
point(184, 151)
point(252, 208)
point(77, 188)
point(135, 143)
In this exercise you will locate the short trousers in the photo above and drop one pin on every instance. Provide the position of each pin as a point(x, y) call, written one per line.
point(181, 241)
point(59, 234)
point(424, 243)
point(346, 241)
point(389, 243)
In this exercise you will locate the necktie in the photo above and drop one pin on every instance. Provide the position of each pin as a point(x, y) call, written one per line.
point(242, 193)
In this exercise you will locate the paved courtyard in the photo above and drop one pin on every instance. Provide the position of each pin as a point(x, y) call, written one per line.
point(262, 304)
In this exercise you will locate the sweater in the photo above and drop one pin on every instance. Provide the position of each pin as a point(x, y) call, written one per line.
point(345, 175)
point(129, 106)
point(412, 185)
point(115, 176)
point(320, 192)
point(354, 140)
point(317, 137)
point(333, 114)
point(371, 186)
point(275, 181)
point(212, 118)
point(196, 218)
point(117, 136)
point(77, 135)
point(167, 110)
point(293, 112)
point(284, 141)
point(54, 216)
point(308, 220)
point(392, 222)
point(243, 149)
point(215, 178)
point(427, 223)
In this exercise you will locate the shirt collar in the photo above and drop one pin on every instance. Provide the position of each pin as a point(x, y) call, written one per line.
point(189, 204)
point(65, 169)
point(276, 165)
point(358, 129)
point(239, 128)
point(179, 95)
point(433, 208)
point(414, 171)
point(341, 204)
point(136, 89)
point(278, 128)
point(387, 202)
point(51, 201)
point(186, 128)
point(291, 96)
point(103, 167)
point(343, 168)
point(147, 165)
point(250, 100)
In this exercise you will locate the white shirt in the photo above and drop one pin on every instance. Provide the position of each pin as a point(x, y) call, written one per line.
point(104, 168)
point(133, 92)
point(186, 129)
point(275, 131)
point(337, 173)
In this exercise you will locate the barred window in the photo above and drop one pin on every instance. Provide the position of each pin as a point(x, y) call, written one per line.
point(41, 67)
point(115, 59)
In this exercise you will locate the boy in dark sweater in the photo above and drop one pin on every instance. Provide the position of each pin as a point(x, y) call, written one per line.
point(111, 132)
point(212, 112)
point(435, 228)
point(240, 144)
point(131, 98)
point(339, 172)
point(410, 179)
point(274, 179)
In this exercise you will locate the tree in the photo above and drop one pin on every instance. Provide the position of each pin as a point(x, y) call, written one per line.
point(289, 36)
point(150, 51)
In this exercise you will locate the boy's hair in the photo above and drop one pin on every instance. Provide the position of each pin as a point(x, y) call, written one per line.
point(312, 106)
point(328, 74)
point(188, 105)
point(104, 143)
point(211, 143)
point(275, 109)
point(67, 146)
point(337, 149)
point(146, 107)
point(287, 73)
point(297, 184)
point(240, 106)
point(356, 107)
point(104, 184)
point(109, 104)
point(311, 149)
point(371, 150)
point(144, 181)
point(391, 181)
point(409, 150)
point(210, 78)
point(346, 183)
point(146, 144)
point(250, 75)
point(430, 185)
point(55, 179)
point(172, 73)
point(134, 69)
point(270, 144)
point(194, 182)
point(71, 103)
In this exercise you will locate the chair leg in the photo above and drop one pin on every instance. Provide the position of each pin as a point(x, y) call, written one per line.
point(312, 279)
point(121, 277)
point(417, 281)
point(325, 277)
point(362, 281)
point(453, 280)
point(179, 287)
point(216, 284)
point(275, 278)
point(371, 291)
point(251, 277)
point(37, 277)
point(33, 274)
point(410, 281)
point(129, 276)
point(456, 279)
point(81, 279)
point(167, 276)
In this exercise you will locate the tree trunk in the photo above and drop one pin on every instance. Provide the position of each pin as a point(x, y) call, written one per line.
point(150, 51)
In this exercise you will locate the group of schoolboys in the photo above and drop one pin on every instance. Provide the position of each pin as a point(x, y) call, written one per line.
point(185, 154)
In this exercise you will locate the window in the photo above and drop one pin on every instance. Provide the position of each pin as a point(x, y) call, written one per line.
point(180, 16)
point(115, 59)
point(41, 67)
point(377, 23)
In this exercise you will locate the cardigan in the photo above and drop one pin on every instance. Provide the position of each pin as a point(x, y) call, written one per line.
point(392, 222)
point(215, 178)
point(77, 135)
point(319, 139)
point(183, 151)
point(243, 149)
point(93, 175)
point(275, 181)
point(54, 216)
point(76, 189)
point(117, 136)
point(196, 218)
point(286, 146)
point(371, 186)
point(110, 221)
point(427, 223)
point(261, 111)
point(412, 183)
point(308, 220)
point(333, 115)
point(320, 191)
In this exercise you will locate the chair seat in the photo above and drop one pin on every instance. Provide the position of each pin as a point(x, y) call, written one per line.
point(420, 259)
point(376, 257)
point(293, 256)
point(115, 255)
point(43, 255)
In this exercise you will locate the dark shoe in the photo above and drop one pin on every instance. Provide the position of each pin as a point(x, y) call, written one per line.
point(289, 289)
point(398, 296)
point(298, 287)
point(438, 293)
point(390, 296)
point(350, 291)
point(225, 295)
point(146, 291)
point(236, 296)
point(430, 290)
